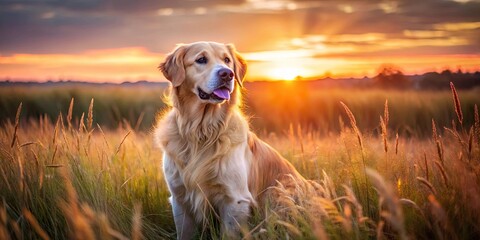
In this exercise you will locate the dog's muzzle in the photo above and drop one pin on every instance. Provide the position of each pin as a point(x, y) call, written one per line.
point(224, 86)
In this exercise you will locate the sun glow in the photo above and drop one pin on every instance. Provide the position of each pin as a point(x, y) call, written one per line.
point(287, 73)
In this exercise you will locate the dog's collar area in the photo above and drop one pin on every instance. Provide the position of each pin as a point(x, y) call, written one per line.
point(205, 96)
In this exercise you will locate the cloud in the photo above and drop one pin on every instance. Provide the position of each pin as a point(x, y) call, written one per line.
point(108, 64)
point(424, 33)
point(459, 26)
point(295, 28)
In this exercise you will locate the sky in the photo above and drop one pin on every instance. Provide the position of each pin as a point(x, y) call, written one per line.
point(125, 40)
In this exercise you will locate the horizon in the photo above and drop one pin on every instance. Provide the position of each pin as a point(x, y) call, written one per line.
point(164, 81)
point(105, 41)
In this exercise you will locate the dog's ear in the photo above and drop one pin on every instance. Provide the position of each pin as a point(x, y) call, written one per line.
point(173, 68)
point(239, 64)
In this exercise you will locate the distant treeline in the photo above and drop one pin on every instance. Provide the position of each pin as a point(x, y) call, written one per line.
point(390, 76)
point(434, 80)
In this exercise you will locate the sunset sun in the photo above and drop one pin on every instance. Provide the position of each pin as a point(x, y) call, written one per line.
point(286, 73)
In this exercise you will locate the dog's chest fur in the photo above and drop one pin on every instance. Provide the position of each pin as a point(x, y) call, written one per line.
point(201, 161)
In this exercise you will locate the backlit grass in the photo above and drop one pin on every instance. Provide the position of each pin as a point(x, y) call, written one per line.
point(72, 178)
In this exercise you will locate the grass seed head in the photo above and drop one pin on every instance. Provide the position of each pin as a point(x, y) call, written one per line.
point(90, 116)
point(17, 121)
point(426, 183)
point(70, 114)
point(456, 102)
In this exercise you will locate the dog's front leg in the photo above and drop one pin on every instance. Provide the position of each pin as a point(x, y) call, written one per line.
point(234, 216)
point(184, 222)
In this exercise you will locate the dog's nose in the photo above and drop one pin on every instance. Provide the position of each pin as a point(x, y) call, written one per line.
point(225, 74)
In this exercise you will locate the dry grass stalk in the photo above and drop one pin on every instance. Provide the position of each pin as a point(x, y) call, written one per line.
point(139, 121)
point(54, 154)
point(70, 114)
point(39, 169)
point(454, 124)
point(457, 136)
point(456, 101)
point(440, 219)
point(4, 233)
point(341, 123)
point(79, 223)
point(393, 212)
point(409, 202)
point(17, 121)
point(27, 144)
point(443, 172)
point(137, 222)
point(15, 229)
point(81, 125)
point(121, 143)
point(426, 166)
point(103, 135)
point(34, 223)
point(477, 125)
point(54, 165)
point(116, 234)
point(434, 131)
point(438, 143)
point(300, 139)
point(55, 130)
point(247, 235)
point(350, 195)
point(106, 232)
point(291, 135)
point(396, 144)
point(5, 179)
point(319, 230)
point(290, 227)
point(103, 226)
point(386, 115)
point(383, 124)
point(21, 175)
point(426, 183)
point(347, 216)
point(90, 116)
point(353, 123)
point(470, 141)
point(329, 187)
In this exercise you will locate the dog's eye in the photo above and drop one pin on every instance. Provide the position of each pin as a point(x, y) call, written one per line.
point(201, 60)
point(227, 60)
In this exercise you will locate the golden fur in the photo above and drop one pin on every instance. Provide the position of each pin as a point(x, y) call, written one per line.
point(213, 164)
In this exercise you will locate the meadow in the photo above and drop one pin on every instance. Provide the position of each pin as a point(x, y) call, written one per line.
point(391, 164)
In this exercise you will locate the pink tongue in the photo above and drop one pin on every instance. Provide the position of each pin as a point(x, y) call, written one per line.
point(222, 93)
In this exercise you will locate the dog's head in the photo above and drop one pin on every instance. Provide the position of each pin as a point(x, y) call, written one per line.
point(207, 70)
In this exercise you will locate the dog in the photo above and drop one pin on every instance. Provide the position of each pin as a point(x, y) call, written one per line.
point(213, 164)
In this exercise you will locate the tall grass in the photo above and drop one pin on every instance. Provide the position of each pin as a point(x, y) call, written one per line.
point(60, 180)
point(114, 106)
point(272, 106)
point(73, 178)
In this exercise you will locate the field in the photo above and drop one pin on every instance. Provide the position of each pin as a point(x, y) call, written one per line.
point(392, 164)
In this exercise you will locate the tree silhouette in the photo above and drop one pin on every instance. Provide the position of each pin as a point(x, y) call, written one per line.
point(391, 76)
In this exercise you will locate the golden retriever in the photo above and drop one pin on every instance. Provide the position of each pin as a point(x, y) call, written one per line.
point(213, 164)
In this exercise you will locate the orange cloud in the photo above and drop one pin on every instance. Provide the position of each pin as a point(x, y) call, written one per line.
point(97, 65)
point(132, 64)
